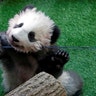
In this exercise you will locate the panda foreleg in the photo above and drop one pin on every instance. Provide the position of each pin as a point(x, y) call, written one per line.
point(53, 62)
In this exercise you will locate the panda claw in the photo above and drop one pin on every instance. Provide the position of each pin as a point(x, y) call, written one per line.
point(58, 52)
point(66, 54)
point(61, 55)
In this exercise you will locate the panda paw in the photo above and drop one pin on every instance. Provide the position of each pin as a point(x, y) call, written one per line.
point(63, 55)
point(60, 56)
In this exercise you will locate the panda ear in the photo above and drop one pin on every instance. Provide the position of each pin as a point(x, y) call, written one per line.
point(56, 33)
point(28, 7)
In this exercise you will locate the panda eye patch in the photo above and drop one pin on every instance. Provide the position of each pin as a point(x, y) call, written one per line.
point(31, 36)
point(18, 25)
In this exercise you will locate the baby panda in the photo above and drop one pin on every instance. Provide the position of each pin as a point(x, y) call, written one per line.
point(28, 47)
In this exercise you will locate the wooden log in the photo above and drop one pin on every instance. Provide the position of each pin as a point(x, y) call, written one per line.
point(42, 84)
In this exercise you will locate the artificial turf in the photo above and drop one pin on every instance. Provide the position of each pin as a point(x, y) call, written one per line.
point(77, 22)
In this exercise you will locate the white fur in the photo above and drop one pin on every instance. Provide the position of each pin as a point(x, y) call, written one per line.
point(71, 82)
point(35, 21)
point(42, 25)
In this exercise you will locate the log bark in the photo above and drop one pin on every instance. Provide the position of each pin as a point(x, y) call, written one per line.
point(42, 84)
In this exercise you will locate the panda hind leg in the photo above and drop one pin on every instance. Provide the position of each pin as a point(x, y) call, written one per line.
point(72, 82)
point(78, 93)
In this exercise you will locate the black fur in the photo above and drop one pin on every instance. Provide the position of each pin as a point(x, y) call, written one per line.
point(55, 36)
point(3, 39)
point(28, 7)
point(14, 39)
point(31, 36)
point(22, 66)
point(51, 62)
point(6, 60)
point(19, 25)
point(78, 93)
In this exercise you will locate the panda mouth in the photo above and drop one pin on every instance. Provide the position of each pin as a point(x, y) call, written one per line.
point(17, 46)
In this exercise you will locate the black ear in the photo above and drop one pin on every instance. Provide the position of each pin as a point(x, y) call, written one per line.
point(55, 36)
point(28, 7)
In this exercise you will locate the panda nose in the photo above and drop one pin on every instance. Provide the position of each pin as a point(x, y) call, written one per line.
point(14, 39)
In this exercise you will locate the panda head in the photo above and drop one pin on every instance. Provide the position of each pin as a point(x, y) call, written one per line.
point(31, 30)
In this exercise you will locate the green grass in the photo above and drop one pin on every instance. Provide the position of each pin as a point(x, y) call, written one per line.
point(77, 22)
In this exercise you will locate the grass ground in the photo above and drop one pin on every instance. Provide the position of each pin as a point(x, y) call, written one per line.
point(77, 22)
